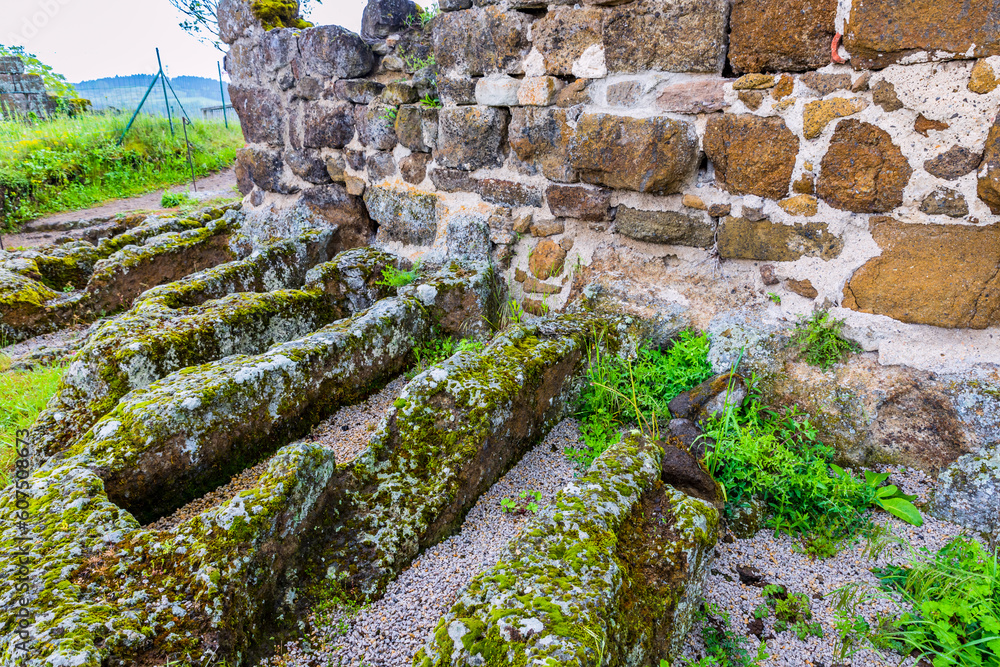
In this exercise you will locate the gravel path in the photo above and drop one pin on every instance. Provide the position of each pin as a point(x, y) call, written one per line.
point(780, 561)
point(387, 633)
point(350, 428)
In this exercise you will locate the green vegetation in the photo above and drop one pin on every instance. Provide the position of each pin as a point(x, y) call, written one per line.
point(792, 611)
point(526, 503)
point(71, 163)
point(954, 604)
point(620, 392)
point(424, 16)
point(950, 601)
point(395, 277)
point(774, 455)
point(173, 199)
point(723, 646)
point(431, 102)
point(820, 341)
point(439, 349)
point(23, 394)
point(201, 16)
point(775, 298)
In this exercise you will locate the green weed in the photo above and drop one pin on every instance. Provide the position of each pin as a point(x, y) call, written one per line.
point(23, 394)
point(723, 646)
point(775, 298)
point(620, 392)
point(776, 456)
point(439, 349)
point(525, 503)
point(394, 277)
point(953, 598)
point(820, 341)
point(174, 199)
point(430, 102)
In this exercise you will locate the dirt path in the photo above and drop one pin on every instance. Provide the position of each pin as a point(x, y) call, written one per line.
point(219, 184)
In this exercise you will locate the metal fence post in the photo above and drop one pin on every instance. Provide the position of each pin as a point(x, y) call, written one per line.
point(166, 100)
point(222, 93)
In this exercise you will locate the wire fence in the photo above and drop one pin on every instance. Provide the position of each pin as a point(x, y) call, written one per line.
point(114, 101)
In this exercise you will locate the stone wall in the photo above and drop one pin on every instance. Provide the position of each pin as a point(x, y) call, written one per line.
point(20, 93)
point(696, 152)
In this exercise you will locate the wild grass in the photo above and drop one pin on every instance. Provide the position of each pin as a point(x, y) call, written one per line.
point(70, 163)
point(23, 394)
point(620, 392)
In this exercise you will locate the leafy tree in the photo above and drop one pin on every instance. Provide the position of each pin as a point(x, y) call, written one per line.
point(55, 83)
point(201, 18)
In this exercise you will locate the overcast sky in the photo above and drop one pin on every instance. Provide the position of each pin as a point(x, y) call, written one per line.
point(89, 39)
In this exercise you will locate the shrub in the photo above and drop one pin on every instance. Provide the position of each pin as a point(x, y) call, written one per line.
point(394, 277)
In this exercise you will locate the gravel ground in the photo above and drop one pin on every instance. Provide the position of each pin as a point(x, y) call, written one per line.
point(350, 428)
point(387, 633)
point(780, 561)
point(347, 432)
point(240, 482)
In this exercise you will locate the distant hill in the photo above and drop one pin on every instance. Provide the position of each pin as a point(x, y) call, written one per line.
point(125, 93)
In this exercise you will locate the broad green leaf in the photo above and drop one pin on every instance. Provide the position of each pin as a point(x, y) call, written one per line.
point(888, 491)
point(903, 509)
point(875, 478)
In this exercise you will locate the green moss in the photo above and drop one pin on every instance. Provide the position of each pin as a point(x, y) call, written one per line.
point(278, 14)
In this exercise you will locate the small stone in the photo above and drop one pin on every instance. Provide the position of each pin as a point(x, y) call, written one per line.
point(784, 87)
point(702, 96)
point(456, 92)
point(552, 227)
point(817, 115)
point(805, 185)
point(579, 202)
point(751, 98)
point(538, 91)
point(523, 223)
point(355, 185)
point(566, 243)
point(824, 84)
point(884, 95)
point(573, 94)
point(624, 93)
point(497, 91)
point(533, 285)
point(381, 166)
point(983, 79)
point(719, 210)
point(860, 84)
point(546, 259)
point(336, 166)
point(774, 242)
point(520, 275)
point(802, 288)
point(954, 163)
point(752, 155)
point(471, 138)
point(358, 91)
point(944, 201)
point(507, 193)
point(767, 274)
point(863, 170)
point(399, 92)
point(413, 167)
point(923, 125)
point(754, 82)
point(666, 227)
point(805, 205)
point(753, 213)
point(693, 201)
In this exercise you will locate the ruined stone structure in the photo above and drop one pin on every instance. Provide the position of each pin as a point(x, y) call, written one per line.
point(22, 94)
point(625, 169)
